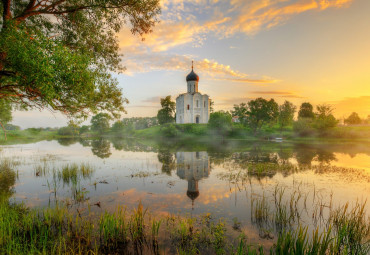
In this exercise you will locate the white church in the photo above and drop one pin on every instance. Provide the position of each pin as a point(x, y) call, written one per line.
point(192, 107)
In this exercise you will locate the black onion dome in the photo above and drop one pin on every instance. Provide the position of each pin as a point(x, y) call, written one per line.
point(192, 194)
point(192, 76)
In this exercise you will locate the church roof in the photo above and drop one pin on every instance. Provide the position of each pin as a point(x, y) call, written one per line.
point(192, 76)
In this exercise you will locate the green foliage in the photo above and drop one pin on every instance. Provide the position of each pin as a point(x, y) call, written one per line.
point(353, 119)
point(141, 122)
point(169, 130)
point(121, 130)
point(241, 111)
point(100, 123)
point(5, 111)
point(166, 114)
point(84, 129)
point(306, 111)
point(12, 127)
point(286, 114)
point(68, 131)
point(262, 112)
point(220, 122)
point(58, 54)
point(324, 119)
point(49, 75)
point(303, 127)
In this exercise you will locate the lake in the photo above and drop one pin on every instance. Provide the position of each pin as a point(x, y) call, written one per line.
point(228, 179)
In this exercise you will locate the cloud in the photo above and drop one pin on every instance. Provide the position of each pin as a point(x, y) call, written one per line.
point(185, 22)
point(213, 69)
point(191, 22)
point(246, 80)
point(278, 93)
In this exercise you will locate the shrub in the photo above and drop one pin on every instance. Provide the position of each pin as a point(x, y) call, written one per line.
point(303, 127)
point(220, 122)
point(169, 130)
point(68, 131)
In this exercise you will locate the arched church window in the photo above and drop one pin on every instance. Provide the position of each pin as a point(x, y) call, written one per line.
point(204, 104)
point(188, 107)
point(197, 103)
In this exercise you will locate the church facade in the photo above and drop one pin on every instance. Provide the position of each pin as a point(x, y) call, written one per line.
point(192, 107)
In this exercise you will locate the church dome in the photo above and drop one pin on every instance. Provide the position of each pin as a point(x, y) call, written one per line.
point(192, 76)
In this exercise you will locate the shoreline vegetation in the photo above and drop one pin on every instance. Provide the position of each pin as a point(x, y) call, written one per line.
point(190, 131)
point(69, 226)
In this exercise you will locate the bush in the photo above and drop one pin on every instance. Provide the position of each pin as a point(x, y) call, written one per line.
point(220, 122)
point(303, 127)
point(68, 131)
point(34, 131)
point(169, 130)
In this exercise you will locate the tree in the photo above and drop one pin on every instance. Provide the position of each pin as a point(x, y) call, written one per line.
point(121, 129)
point(241, 111)
point(211, 106)
point(59, 54)
point(100, 123)
point(353, 119)
point(262, 112)
point(84, 129)
point(324, 119)
point(286, 114)
point(220, 122)
point(166, 114)
point(306, 111)
point(5, 114)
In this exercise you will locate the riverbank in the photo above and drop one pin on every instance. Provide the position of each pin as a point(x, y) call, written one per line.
point(199, 132)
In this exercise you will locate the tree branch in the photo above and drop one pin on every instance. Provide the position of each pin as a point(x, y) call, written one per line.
point(47, 10)
point(7, 15)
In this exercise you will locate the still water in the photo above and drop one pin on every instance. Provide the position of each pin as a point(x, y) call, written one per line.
point(223, 178)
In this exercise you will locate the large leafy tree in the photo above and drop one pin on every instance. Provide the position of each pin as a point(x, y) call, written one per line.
point(306, 111)
point(240, 111)
point(100, 123)
point(324, 119)
point(166, 114)
point(220, 122)
point(286, 114)
point(353, 119)
point(261, 112)
point(60, 54)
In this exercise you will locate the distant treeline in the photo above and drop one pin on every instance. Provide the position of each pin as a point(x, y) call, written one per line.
point(100, 124)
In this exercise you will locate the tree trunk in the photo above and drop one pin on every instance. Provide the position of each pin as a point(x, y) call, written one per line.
point(1, 124)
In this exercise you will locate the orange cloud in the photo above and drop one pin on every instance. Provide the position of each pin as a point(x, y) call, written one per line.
point(215, 70)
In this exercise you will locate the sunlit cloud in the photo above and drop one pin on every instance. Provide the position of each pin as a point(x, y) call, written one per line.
point(211, 68)
point(192, 21)
point(287, 94)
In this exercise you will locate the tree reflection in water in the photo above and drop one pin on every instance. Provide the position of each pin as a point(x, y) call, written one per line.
point(168, 161)
point(101, 148)
point(7, 178)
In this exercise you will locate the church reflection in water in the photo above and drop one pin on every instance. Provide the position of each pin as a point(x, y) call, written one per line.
point(193, 166)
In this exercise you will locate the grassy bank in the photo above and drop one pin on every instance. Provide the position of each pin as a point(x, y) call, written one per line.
point(188, 131)
point(201, 132)
point(26, 136)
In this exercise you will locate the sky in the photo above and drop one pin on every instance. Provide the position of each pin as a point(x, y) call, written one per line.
point(314, 51)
